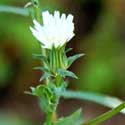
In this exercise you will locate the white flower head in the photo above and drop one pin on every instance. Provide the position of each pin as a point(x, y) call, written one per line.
point(56, 29)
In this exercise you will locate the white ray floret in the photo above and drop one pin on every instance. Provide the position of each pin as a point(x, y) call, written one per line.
point(56, 29)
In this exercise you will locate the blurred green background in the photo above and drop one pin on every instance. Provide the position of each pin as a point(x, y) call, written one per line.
point(100, 34)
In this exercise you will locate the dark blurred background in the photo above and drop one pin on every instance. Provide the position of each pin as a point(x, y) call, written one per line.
point(100, 34)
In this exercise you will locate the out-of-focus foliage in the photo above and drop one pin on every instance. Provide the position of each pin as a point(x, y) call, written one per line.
point(100, 72)
point(5, 70)
point(12, 119)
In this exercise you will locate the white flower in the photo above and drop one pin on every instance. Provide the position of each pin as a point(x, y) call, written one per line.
point(56, 29)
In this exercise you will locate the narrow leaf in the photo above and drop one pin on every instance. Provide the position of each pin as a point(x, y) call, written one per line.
point(106, 115)
point(14, 10)
point(68, 50)
point(73, 119)
point(71, 59)
point(41, 68)
point(45, 76)
point(27, 92)
point(65, 73)
point(39, 56)
point(32, 89)
point(102, 99)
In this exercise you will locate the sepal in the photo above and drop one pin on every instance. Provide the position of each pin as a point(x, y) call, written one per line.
point(46, 75)
point(63, 73)
point(68, 50)
point(71, 59)
point(40, 57)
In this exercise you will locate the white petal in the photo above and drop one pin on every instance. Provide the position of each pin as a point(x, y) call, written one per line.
point(56, 15)
point(37, 35)
point(63, 17)
point(70, 37)
point(37, 26)
point(55, 31)
point(70, 18)
point(46, 17)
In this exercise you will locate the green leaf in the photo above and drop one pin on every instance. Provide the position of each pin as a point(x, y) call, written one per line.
point(69, 49)
point(60, 89)
point(71, 59)
point(45, 76)
point(102, 99)
point(39, 56)
point(33, 90)
point(106, 115)
point(46, 97)
point(14, 10)
point(65, 73)
point(37, 91)
point(41, 90)
point(73, 119)
point(41, 68)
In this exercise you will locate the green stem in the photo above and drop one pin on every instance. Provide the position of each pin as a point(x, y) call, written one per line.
point(57, 61)
point(37, 12)
point(54, 117)
point(58, 80)
point(106, 115)
point(49, 119)
point(60, 57)
point(54, 60)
